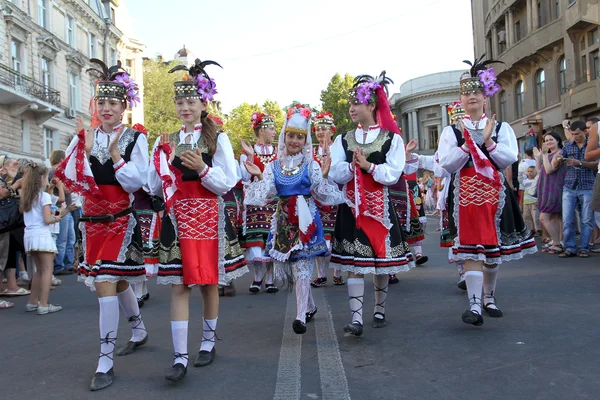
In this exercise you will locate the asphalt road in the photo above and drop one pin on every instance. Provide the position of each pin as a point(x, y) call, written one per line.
point(545, 346)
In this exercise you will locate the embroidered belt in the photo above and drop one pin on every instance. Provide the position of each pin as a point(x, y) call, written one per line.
point(106, 218)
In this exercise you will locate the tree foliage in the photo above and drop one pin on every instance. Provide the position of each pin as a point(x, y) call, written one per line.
point(159, 110)
point(335, 100)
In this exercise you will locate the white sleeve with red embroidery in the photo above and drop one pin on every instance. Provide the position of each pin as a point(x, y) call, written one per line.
point(260, 192)
point(154, 181)
point(341, 170)
point(412, 165)
point(222, 176)
point(133, 175)
point(324, 190)
point(506, 151)
point(452, 156)
point(389, 172)
point(246, 177)
point(426, 162)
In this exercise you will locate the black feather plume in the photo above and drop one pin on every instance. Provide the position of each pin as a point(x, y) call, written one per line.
point(480, 65)
point(197, 68)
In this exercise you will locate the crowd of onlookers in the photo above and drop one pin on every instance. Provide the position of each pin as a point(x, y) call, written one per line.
point(16, 268)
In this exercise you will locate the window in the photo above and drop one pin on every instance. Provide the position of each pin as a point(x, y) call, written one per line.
point(583, 69)
point(519, 97)
point(74, 98)
point(503, 105)
point(42, 14)
point(556, 9)
point(70, 31)
point(46, 77)
point(25, 136)
point(112, 16)
point(540, 89)
point(48, 142)
point(518, 30)
point(113, 56)
point(595, 64)
point(593, 37)
point(92, 44)
point(15, 52)
point(129, 66)
point(541, 19)
point(433, 137)
point(562, 74)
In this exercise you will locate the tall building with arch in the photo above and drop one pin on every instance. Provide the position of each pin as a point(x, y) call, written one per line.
point(550, 53)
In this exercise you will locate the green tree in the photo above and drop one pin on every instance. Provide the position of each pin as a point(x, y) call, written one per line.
point(159, 111)
point(238, 124)
point(335, 100)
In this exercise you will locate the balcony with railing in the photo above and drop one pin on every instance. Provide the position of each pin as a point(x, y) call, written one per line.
point(23, 93)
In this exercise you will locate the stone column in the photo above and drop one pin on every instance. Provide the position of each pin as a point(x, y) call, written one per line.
point(510, 28)
point(444, 116)
point(403, 125)
point(415, 127)
point(495, 51)
point(535, 15)
point(530, 16)
point(409, 131)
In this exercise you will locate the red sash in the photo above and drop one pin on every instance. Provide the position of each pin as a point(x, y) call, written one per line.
point(478, 203)
point(371, 210)
point(103, 240)
point(197, 213)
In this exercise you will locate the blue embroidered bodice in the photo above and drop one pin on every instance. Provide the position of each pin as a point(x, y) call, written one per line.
point(294, 182)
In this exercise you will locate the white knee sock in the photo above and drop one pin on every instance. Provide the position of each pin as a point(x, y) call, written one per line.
point(417, 250)
point(356, 291)
point(109, 324)
point(145, 288)
point(490, 276)
point(303, 295)
point(269, 275)
point(380, 283)
point(209, 326)
point(259, 271)
point(322, 263)
point(179, 333)
point(474, 280)
point(337, 273)
point(138, 289)
point(130, 308)
point(460, 267)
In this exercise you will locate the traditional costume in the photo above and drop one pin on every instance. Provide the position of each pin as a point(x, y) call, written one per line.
point(198, 245)
point(328, 214)
point(112, 248)
point(484, 216)
point(368, 237)
point(257, 219)
point(297, 236)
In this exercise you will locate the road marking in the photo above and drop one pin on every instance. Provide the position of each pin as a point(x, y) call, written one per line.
point(334, 385)
point(288, 371)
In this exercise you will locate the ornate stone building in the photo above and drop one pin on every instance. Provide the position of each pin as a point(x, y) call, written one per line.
point(45, 46)
point(421, 107)
point(550, 53)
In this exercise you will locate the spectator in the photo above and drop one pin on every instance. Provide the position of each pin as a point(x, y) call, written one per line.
point(530, 207)
point(65, 243)
point(525, 163)
point(578, 188)
point(592, 153)
point(10, 183)
point(550, 183)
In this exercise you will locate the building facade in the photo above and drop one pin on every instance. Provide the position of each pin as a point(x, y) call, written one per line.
point(549, 51)
point(45, 47)
point(422, 107)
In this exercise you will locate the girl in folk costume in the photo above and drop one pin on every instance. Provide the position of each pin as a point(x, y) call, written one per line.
point(257, 221)
point(368, 237)
point(106, 165)
point(446, 239)
point(324, 127)
point(484, 215)
point(192, 169)
point(296, 237)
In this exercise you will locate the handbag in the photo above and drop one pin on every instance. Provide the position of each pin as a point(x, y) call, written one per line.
point(10, 216)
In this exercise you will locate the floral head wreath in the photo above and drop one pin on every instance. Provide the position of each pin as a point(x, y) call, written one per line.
point(365, 88)
point(262, 120)
point(324, 119)
point(479, 77)
point(197, 84)
point(114, 83)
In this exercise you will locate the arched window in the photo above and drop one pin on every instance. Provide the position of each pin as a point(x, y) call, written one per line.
point(540, 89)
point(562, 74)
point(502, 110)
point(519, 98)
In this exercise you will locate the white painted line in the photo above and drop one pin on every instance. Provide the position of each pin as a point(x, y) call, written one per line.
point(334, 385)
point(288, 371)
